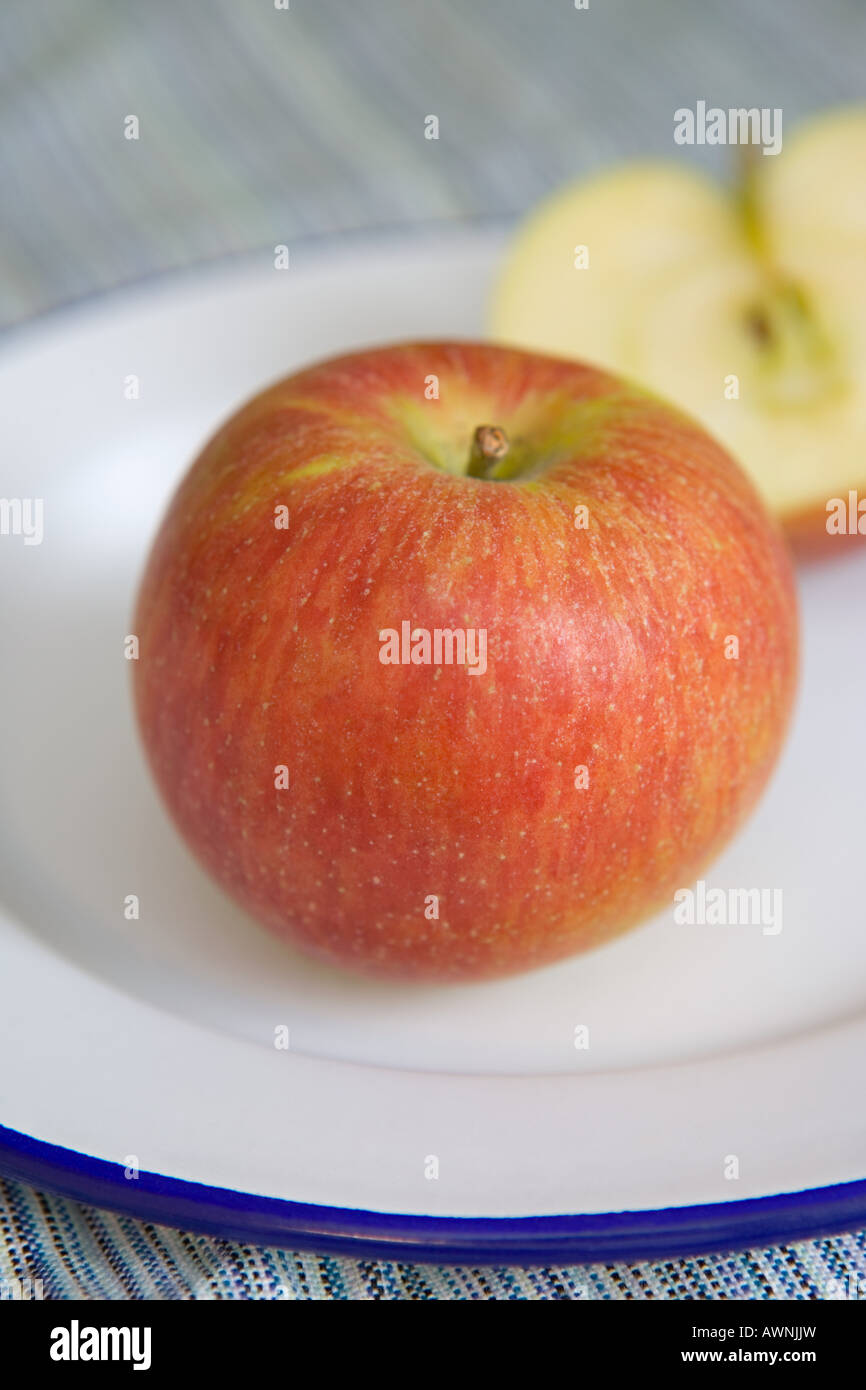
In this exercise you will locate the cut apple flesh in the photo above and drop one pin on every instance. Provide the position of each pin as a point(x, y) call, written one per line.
point(637, 224)
point(817, 187)
point(766, 344)
point(787, 398)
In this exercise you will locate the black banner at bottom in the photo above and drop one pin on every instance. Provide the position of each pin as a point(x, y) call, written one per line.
point(235, 1337)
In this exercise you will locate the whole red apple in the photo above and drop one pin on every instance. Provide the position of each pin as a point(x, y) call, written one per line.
point(455, 660)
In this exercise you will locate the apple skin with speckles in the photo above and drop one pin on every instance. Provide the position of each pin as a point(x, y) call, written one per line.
point(424, 820)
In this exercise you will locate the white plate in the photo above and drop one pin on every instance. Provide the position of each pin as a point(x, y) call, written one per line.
point(150, 1043)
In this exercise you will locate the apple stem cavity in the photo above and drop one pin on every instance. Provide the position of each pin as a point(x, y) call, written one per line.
point(489, 447)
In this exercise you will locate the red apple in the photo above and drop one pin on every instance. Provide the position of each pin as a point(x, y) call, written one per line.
point(405, 815)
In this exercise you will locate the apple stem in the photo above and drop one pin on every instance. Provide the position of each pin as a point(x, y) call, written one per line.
point(751, 211)
point(489, 447)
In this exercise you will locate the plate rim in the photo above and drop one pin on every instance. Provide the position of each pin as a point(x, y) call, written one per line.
point(16, 332)
point(588, 1238)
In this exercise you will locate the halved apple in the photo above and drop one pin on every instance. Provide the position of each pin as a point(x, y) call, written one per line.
point(747, 308)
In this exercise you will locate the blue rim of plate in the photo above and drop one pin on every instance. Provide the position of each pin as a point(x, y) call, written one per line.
point(529, 1240)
